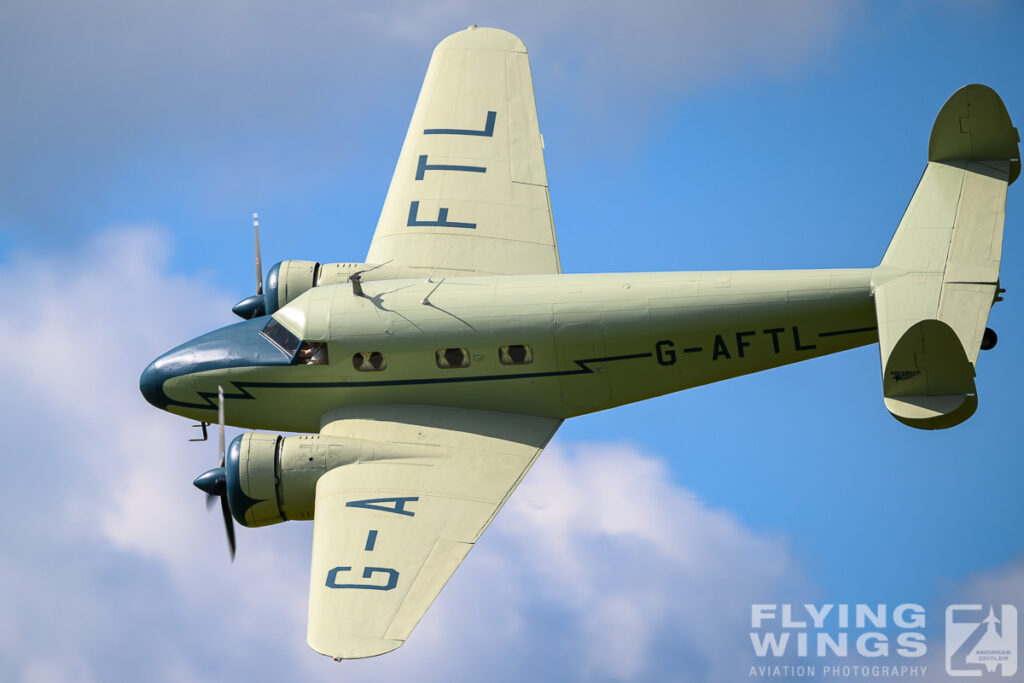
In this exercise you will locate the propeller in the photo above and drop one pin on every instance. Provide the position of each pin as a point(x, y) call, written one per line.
point(259, 261)
point(214, 482)
point(256, 305)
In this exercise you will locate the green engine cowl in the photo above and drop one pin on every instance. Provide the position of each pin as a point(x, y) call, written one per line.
point(271, 479)
point(287, 280)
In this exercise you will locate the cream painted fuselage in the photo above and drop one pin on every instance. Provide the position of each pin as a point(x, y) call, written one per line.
point(597, 341)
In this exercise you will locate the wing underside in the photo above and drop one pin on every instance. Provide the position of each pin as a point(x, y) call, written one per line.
point(390, 531)
point(470, 191)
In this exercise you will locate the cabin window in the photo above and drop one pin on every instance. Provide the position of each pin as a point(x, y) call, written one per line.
point(369, 361)
point(515, 354)
point(312, 353)
point(452, 358)
point(279, 334)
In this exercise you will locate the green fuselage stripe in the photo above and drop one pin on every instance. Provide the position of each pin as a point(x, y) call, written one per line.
point(243, 385)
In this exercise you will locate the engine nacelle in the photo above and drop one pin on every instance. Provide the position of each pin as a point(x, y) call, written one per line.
point(287, 280)
point(271, 479)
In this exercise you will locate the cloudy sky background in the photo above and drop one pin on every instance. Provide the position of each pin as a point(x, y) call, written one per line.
point(136, 140)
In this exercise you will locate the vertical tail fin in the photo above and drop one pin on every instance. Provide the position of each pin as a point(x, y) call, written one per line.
point(940, 275)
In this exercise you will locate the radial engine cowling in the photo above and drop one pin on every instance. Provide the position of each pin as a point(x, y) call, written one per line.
point(271, 479)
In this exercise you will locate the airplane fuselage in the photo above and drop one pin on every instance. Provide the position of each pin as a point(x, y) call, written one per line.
point(546, 345)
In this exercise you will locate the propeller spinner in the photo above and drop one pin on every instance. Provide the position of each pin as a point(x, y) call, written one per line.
point(214, 481)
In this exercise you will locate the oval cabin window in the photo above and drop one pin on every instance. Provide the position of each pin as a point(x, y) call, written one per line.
point(448, 359)
point(369, 361)
point(515, 354)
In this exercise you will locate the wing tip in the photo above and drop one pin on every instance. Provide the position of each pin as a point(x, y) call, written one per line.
point(482, 38)
point(352, 647)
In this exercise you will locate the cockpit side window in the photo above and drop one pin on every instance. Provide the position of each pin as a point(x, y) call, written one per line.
point(312, 353)
point(279, 334)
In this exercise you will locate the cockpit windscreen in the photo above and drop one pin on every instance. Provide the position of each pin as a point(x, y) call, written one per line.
point(279, 334)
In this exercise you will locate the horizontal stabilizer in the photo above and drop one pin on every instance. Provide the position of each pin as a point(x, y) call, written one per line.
point(940, 275)
point(974, 125)
point(928, 381)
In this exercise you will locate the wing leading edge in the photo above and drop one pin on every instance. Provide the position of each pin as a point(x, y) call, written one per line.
point(389, 532)
point(470, 191)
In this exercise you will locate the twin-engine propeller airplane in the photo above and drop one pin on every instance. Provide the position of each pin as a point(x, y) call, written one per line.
point(437, 371)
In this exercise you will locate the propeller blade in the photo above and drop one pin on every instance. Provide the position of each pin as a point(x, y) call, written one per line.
point(212, 482)
point(259, 260)
point(220, 424)
point(229, 525)
point(256, 305)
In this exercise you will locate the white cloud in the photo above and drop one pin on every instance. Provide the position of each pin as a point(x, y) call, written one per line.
point(599, 567)
point(995, 586)
point(1003, 585)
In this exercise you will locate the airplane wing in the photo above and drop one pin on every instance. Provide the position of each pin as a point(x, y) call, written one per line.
point(389, 531)
point(470, 191)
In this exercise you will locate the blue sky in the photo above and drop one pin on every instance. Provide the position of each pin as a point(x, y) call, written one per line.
point(136, 141)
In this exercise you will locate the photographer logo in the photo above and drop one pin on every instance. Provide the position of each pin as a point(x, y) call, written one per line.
point(981, 640)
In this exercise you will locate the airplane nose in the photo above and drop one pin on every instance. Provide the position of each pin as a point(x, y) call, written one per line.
point(236, 346)
point(151, 384)
point(176, 362)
